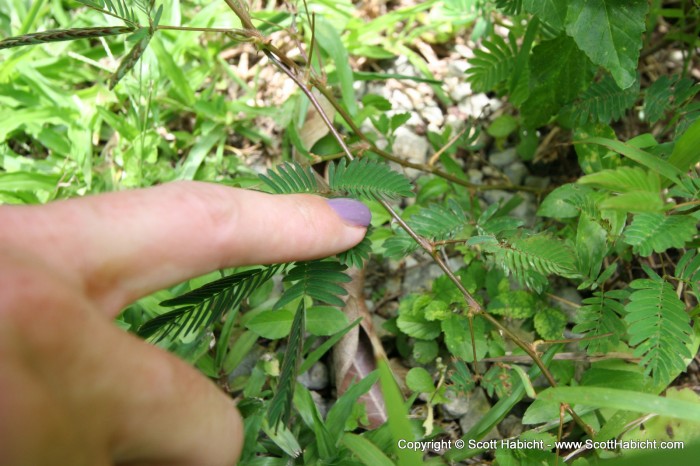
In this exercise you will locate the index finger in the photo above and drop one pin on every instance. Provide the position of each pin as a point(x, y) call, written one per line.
point(121, 246)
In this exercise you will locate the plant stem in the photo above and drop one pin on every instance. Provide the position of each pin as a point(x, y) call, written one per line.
point(289, 67)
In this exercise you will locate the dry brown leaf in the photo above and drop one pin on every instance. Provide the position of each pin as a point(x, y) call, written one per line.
point(314, 128)
point(356, 354)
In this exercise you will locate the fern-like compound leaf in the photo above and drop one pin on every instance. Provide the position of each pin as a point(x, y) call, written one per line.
point(532, 258)
point(491, 67)
point(600, 318)
point(319, 280)
point(439, 222)
point(117, 8)
point(369, 179)
point(399, 245)
point(200, 308)
point(655, 232)
point(281, 405)
point(658, 326)
point(355, 256)
point(603, 102)
point(688, 270)
point(291, 178)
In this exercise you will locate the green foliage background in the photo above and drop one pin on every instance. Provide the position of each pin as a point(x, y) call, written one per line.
point(131, 101)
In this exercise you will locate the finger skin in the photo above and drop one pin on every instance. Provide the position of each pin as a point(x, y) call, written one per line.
point(74, 389)
point(125, 245)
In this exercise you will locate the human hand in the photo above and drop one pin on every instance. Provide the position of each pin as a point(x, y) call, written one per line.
point(75, 389)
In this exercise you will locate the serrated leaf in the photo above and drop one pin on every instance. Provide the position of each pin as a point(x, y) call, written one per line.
point(417, 326)
point(593, 158)
point(458, 337)
point(610, 33)
point(552, 12)
point(558, 72)
point(517, 304)
point(549, 323)
point(655, 232)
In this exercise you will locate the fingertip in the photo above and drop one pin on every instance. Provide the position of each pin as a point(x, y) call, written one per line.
point(351, 211)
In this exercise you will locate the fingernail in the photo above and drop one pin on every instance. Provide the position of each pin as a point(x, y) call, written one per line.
point(352, 212)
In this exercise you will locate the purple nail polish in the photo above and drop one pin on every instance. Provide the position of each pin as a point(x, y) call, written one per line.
point(351, 211)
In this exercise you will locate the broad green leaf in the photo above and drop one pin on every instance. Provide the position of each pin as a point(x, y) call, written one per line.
point(623, 179)
point(594, 157)
point(591, 246)
point(272, 325)
point(502, 126)
point(634, 202)
point(325, 320)
point(558, 72)
point(686, 152)
point(557, 205)
point(623, 399)
point(458, 337)
point(518, 304)
point(550, 323)
point(552, 12)
point(420, 380)
point(28, 181)
point(610, 33)
point(417, 326)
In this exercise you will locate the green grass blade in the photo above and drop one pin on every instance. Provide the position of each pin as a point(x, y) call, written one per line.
point(623, 399)
point(366, 451)
point(399, 425)
point(646, 159)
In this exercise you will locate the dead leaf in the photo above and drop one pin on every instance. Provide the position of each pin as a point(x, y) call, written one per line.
point(356, 354)
point(314, 128)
